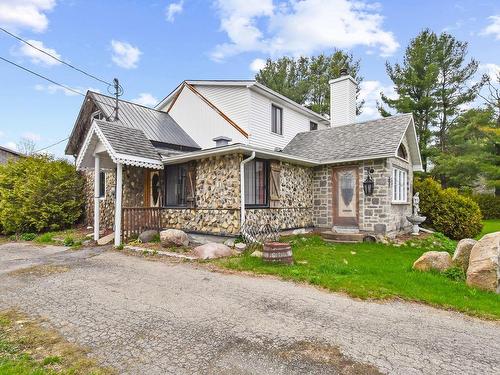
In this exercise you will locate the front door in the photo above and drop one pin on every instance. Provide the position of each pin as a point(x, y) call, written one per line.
point(345, 196)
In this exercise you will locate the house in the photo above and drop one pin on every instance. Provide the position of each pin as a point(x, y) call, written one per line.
point(215, 154)
point(6, 154)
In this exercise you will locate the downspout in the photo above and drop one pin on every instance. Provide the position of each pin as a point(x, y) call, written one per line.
point(242, 187)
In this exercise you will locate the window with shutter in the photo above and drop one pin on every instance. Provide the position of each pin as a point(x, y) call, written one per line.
point(275, 185)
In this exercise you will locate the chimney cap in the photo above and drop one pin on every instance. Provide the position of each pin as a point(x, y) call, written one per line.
point(221, 141)
point(343, 71)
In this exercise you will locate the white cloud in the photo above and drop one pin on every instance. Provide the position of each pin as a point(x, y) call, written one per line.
point(300, 27)
point(493, 28)
point(25, 14)
point(34, 137)
point(173, 9)
point(370, 93)
point(492, 70)
point(11, 145)
point(38, 57)
point(125, 55)
point(54, 89)
point(145, 98)
point(257, 65)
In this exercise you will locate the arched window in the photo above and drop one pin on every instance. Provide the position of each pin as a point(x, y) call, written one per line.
point(402, 152)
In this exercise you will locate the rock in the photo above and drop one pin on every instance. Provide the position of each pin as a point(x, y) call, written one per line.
point(299, 231)
point(257, 254)
point(148, 235)
point(433, 260)
point(173, 238)
point(484, 267)
point(240, 247)
point(462, 253)
point(106, 239)
point(229, 242)
point(212, 250)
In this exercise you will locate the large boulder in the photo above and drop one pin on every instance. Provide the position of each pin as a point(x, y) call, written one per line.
point(484, 267)
point(173, 238)
point(462, 253)
point(148, 235)
point(212, 250)
point(433, 260)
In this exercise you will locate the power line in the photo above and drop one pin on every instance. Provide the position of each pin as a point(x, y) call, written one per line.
point(43, 77)
point(52, 145)
point(54, 57)
point(53, 82)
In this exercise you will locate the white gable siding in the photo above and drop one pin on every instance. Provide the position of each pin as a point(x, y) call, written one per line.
point(201, 121)
point(260, 123)
point(233, 101)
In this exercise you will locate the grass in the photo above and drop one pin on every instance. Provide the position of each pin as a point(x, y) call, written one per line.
point(489, 226)
point(375, 271)
point(28, 348)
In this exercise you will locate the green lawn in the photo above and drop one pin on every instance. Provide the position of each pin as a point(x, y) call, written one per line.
point(375, 271)
point(490, 226)
point(28, 348)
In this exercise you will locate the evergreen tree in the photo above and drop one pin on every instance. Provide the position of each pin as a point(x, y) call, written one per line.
point(415, 84)
point(305, 80)
point(452, 90)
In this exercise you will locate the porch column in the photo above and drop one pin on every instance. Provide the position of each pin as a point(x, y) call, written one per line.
point(97, 175)
point(118, 203)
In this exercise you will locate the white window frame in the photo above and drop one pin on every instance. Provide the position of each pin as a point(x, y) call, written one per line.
point(102, 177)
point(400, 185)
point(279, 127)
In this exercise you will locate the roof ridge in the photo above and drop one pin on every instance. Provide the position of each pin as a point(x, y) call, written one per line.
point(126, 101)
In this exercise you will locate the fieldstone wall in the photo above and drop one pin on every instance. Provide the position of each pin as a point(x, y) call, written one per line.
point(133, 194)
point(377, 213)
point(217, 197)
point(5, 156)
point(295, 206)
point(322, 197)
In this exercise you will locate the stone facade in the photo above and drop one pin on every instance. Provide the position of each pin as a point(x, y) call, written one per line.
point(377, 213)
point(295, 206)
point(305, 198)
point(5, 156)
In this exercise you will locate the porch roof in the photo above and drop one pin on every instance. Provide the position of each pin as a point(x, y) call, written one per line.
point(123, 145)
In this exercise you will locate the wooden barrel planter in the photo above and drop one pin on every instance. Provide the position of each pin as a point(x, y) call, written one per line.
point(277, 252)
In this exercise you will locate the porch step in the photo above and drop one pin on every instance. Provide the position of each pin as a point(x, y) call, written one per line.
point(339, 229)
point(330, 236)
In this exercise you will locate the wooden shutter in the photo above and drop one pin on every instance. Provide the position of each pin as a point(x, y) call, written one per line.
point(191, 185)
point(275, 184)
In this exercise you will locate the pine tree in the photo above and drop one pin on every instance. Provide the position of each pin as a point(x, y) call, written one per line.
point(305, 80)
point(452, 91)
point(415, 84)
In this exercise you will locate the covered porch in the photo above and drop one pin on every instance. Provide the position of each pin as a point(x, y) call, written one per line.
point(108, 149)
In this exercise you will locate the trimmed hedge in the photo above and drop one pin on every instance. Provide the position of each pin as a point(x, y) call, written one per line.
point(39, 193)
point(489, 204)
point(448, 212)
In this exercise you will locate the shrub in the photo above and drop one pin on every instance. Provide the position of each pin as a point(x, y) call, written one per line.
point(489, 204)
point(68, 241)
point(39, 193)
point(447, 211)
point(28, 236)
point(45, 238)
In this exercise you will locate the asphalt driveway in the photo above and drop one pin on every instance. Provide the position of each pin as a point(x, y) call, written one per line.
point(146, 317)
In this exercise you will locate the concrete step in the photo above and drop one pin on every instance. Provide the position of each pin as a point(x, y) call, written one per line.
point(344, 229)
point(342, 237)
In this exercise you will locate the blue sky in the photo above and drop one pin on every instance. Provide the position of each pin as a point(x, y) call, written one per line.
point(151, 46)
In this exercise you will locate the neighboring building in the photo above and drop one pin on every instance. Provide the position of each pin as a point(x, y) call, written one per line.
point(7, 154)
point(214, 154)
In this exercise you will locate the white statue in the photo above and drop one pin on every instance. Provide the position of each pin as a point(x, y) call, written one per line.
point(416, 204)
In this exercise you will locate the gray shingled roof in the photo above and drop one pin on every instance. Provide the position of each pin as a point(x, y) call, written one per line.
point(157, 126)
point(370, 139)
point(127, 141)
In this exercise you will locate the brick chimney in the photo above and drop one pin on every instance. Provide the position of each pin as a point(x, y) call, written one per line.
point(343, 99)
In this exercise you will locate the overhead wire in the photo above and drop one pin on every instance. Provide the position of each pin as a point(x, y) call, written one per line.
point(55, 58)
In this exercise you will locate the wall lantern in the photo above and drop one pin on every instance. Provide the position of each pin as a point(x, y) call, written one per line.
point(368, 184)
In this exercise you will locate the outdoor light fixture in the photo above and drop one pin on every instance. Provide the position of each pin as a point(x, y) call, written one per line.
point(368, 184)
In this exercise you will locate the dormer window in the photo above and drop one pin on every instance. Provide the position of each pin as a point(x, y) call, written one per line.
point(98, 115)
point(402, 152)
point(276, 119)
